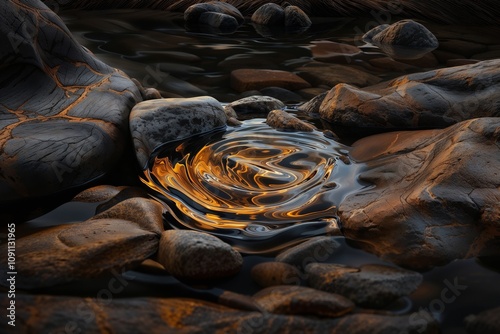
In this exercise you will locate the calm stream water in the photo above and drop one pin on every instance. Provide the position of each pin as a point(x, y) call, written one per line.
point(241, 179)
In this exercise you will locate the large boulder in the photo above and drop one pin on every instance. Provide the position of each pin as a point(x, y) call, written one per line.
point(433, 99)
point(64, 114)
point(434, 195)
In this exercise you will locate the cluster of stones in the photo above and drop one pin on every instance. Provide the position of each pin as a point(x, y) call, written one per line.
point(435, 214)
point(227, 18)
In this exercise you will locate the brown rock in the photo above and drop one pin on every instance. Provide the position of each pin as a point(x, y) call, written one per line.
point(97, 194)
point(331, 74)
point(55, 314)
point(248, 79)
point(256, 104)
point(193, 255)
point(146, 213)
point(430, 99)
point(434, 198)
point(269, 14)
point(486, 322)
point(83, 250)
point(317, 249)
point(303, 300)
point(334, 52)
point(275, 273)
point(392, 65)
point(371, 285)
point(282, 120)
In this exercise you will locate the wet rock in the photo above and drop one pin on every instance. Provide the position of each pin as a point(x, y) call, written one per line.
point(368, 36)
point(317, 73)
point(124, 194)
point(281, 94)
point(193, 255)
point(97, 194)
point(219, 20)
point(260, 105)
point(64, 113)
point(430, 99)
point(392, 65)
point(317, 249)
point(194, 12)
point(269, 14)
point(275, 273)
point(55, 314)
point(466, 48)
point(155, 122)
point(486, 322)
point(312, 106)
point(434, 197)
point(371, 286)
point(303, 300)
point(248, 79)
point(296, 18)
point(310, 93)
point(89, 249)
point(151, 94)
point(146, 213)
point(282, 120)
point(334, 52)
point(405, 39)
point(426, 61)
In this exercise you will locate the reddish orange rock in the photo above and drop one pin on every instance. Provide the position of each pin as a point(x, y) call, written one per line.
point(248, 79)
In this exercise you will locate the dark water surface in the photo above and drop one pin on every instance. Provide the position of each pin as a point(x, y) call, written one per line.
point(256, 187)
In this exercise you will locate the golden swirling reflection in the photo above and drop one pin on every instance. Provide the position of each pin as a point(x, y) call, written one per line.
point(254, 186)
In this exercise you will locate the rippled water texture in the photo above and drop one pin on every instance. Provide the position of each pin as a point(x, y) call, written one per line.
point(254, 186)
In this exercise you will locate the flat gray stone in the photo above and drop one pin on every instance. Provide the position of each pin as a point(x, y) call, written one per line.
point(156, 122)
point(193, 255)
point(371, 286)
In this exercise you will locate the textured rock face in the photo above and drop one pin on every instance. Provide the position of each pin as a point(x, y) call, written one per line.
point(155, 122)
point(269, 14)
point(84, 250)
point(282, 120)
point(194, 255)
point(63, 112)
point(155, 315)
point(431, 99)
point(435, 195)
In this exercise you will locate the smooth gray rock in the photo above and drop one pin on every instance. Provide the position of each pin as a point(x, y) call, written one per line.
point(434, 195)
point(317, 249)
point(432, 99)
point(193, 255)
point(156, 122)
point(368, 36)
point(371, 286)
point(282, 120)
point(268, 274)
point(193, 13)
point(302, 300)
point(64, 113)
point(260, 105)
point(269, 14)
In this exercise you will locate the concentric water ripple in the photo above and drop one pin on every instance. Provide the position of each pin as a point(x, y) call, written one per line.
point(257, 188)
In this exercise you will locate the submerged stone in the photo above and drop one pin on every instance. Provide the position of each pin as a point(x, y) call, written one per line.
point(317, 249)
point(268, 274)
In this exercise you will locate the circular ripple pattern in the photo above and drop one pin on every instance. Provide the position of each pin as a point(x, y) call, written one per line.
point(255, 187)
